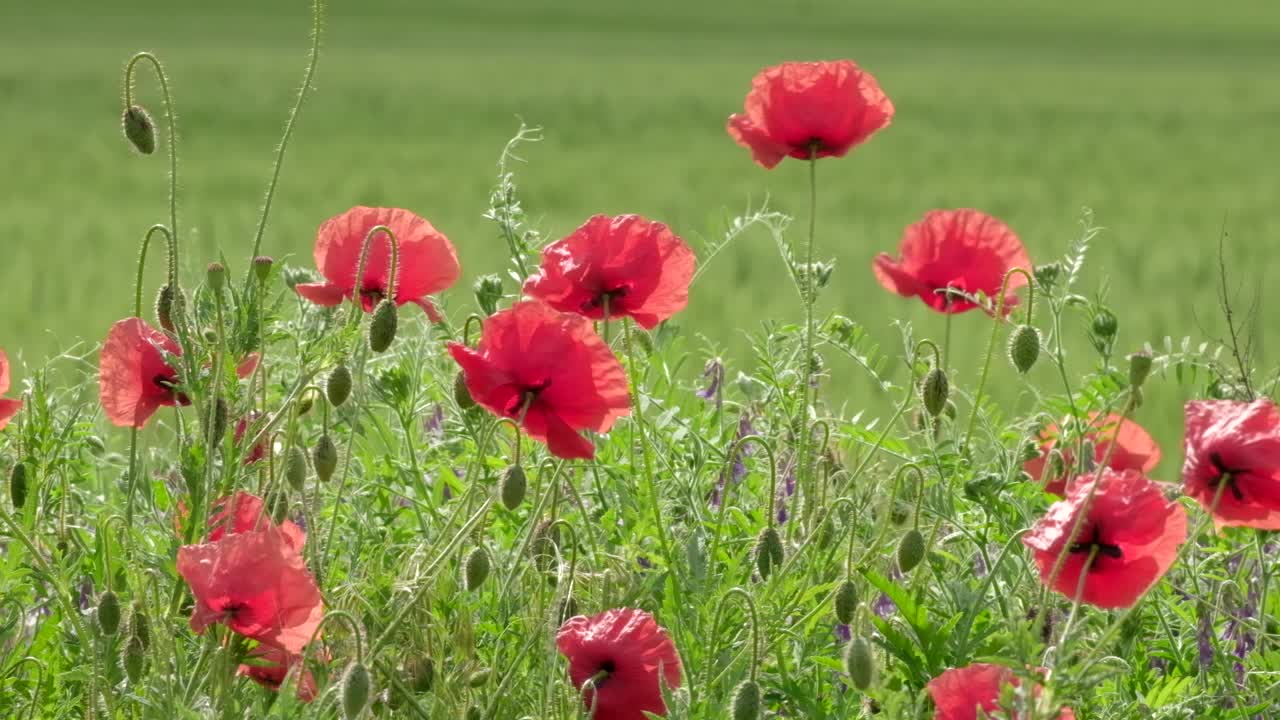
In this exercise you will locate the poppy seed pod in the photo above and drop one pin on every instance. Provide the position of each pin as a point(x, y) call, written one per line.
point(18, 486)
point(1024, 348)
point(324, 457)
point(295, 468)
point(422, 673)
point(846, 602)
point(108, 613)
point(355, 690)
point(133, 659)
point(168, 306)
point(475, 569)
point(461, 394)
point(479, 678)
point(218, 428)
point(859, 662)
point(216, 276)
point(910, 550)
point(1139, 368)
point(514, 487)
point(382, 328)
point(139, 129)
point(769, 552)
point(934, 391)
point(746, 701)
point(1105, 324)
point(338, 387)
point(488, 290)
point(262, 267)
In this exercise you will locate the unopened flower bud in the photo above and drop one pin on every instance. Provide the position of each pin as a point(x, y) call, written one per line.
point(218, 426)
point(134, 659)
point(859, 662)
point(139, 129)
point(746, 701)
point(1047, 274)
point(324, 458)
point(910, 550)
point(1105, 324)
point(169, 306)
point(338, 386)
point(479, 678)
point(295, 468)
point(18, 486)
point(934, 391)
point(382, 328)
point(137, 627)
point(1139, 368)
point(769, 553)
point(108, 613)
point(514, 487)
point(355, 690)
point(846, 601)
point(475, 569)
point(95, 444)
point(1024, 347)
point(488, 290)
point(216, 276)
point(460, 392)
point(262, 267)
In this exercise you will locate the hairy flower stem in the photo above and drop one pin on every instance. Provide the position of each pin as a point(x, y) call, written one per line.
point(997, 321)
point(173, 150)
point(804, 467)
point(317, 16)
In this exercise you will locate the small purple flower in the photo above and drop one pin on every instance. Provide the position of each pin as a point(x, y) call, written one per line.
point(714, 373)
point(1204, 631)
point(86, 594)
point(843, 634)
point(300, 520)
point(644, 562)
point(434, 424)
point(737, 466)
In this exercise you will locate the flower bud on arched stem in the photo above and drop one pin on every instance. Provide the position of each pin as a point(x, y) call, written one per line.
point(997, 319)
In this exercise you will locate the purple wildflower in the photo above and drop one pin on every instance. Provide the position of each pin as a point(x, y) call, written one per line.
point(434, 424)
point(1204, 631)
point(714, 373)
point(737, 464)
point(843, 634)
point(644, 562)
point(86, 594)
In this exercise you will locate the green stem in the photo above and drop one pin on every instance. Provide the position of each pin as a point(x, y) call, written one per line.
point(997, 320)
point(803, 466)
point(173, 150)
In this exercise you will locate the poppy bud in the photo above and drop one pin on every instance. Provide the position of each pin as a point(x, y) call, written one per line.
point(476, 569)
point(546, 540)
point(461, 394)
point(644, 340)
point(134, 659)
point(488, 289)
point(514, 486)
point(1024, 347)
point(295, 468)
point(338, 387)
point(1139, 368)
point(18, 486)
point(95, 445)
point(934, 391)
point(138, 628)
point(139, 130)
point(169, 305)
point(216, 276)
point(479, 678)
point(382, 328)
point(324, 458)
point(262, 267)
point(422, 673)
point(746, 701)
point(1105, 324)
point(910, 550)
point(108, 613)
point(859, 663)
point(1047, 274)
point(218, 429)
point(846, 601)
point(768, 552)
point(355, 690)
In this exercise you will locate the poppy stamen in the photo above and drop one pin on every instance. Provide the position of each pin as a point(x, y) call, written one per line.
point(1227, 475)
point(1111, 551)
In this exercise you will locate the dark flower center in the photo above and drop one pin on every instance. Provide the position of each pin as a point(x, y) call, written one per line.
point(1095, 541)
point(231, 609)
point(1227, 476)
point(606, 299)
point(169, 383)
point(607, 669)
point(373, 292)
point(524, 399)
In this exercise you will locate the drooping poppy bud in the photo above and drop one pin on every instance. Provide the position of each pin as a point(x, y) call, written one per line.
point(859, 662)
point(488, 290)
point(218, 428)
point(746, 701)
point(479, 678)
point(910, 550)
point(338, 386)
point(262, 267)
point(216, 276)
point(95, 444)
point(138, 628)
point(475, 569)
point(934, 391)
point(769, 552)
point(108, 613)
point(1024, 347)
point(295, 468)
point(134, 659)
point(382, 328)
point(1139, 368)
point(514, 486)
point(168, 306)
point(461, 394)
point(18, 486)
point(324, 458)
point(846, 602)
point(355, 690)
point(139, 130)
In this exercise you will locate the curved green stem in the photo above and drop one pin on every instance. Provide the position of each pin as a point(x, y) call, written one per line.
point(358, 293)
point(997, 319)
point(173, 149)
point(41, 669)
point(724, 494)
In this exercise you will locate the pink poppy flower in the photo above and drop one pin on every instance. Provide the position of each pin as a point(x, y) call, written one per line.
point(8, 407)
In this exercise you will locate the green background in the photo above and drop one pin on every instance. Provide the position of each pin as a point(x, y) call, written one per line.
point(1163, 117)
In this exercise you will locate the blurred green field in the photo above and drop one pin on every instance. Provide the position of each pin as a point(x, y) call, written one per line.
point(1162, 117)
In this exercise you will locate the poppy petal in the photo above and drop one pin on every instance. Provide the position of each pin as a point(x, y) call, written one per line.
point(246, 368)
point(4, 373)
point(323, 294)
point(433, 313)
point(130, 367)
point(8, 408)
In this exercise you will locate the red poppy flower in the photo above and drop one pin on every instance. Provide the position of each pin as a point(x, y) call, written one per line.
point(242, 513)
point(958, 693)
point(959, 249)
point(549, 371)
point(797, 108)
point(1135, 449)
point(427, 262)
point(257, 452)
point(134, 380)
point(1236, 444)
point(623, 652)
point(1129, 527)
point(257, 584)
point(639, 268)
point(269, 665)
point(8, 407)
